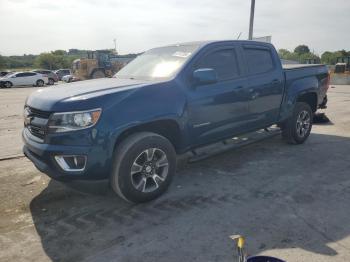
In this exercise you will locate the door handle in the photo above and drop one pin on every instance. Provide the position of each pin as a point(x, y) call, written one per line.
point(254, 94)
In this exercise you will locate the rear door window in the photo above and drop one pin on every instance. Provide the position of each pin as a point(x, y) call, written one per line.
point(224, 62)
point(258, 60)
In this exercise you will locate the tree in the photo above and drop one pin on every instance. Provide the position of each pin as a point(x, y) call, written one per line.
point(59, 52)
point(330, 58)
point(302, 49)
point(287, 55)
point(53, 60)
point(283, 53)
point(300, 55)
point(2, 62)
point(46, 61)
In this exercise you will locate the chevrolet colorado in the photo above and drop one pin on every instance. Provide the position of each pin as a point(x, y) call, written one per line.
point(167, 101)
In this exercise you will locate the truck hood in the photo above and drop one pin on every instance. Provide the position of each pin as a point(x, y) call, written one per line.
point(65, 94)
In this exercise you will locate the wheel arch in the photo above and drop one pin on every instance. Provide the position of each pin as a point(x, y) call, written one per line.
point(310, 98)
point(169, 128)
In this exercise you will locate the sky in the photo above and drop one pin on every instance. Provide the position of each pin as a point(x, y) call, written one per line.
point(36, 26)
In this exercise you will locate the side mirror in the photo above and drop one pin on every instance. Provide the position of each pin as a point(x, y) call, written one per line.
point(203, 76)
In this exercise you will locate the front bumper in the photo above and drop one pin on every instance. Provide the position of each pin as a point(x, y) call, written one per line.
point(98, 163)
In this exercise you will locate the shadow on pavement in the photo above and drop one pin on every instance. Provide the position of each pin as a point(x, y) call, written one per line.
point(279, 196)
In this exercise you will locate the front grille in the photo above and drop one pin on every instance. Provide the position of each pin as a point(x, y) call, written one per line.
point(38, 113)
point(36, 121)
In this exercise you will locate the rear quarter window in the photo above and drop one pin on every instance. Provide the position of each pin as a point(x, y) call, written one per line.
point(258, 60)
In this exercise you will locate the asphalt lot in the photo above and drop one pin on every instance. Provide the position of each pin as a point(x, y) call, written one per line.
point(289, 201)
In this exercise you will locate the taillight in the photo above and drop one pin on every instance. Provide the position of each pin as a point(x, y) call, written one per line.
point(44, 75)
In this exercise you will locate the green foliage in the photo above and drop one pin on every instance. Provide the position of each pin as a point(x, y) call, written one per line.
point(302, 49)
point(59, 52)
point(2, 62)
point(13, 62)
point(285, 54)
point(330, 58)
point(54, 60)
point(300, 56)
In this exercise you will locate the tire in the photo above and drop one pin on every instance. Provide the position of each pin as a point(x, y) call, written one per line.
point(8, 84)
point(98, 74)
point(136, 177)
point(51, 81)
point(40, 83)
point(298, 127)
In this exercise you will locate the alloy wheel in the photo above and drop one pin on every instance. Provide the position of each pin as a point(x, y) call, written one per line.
point(303, 123)
point(149, 170)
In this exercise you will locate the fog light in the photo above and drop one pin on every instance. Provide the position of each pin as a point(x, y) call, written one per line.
point(72, 162)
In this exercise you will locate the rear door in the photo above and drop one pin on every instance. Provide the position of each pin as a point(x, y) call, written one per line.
point(31, 78)
point(265, 83)
point(218, 110)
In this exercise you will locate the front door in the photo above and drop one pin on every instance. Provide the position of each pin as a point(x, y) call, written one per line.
point(218, 110)
point(19, 79)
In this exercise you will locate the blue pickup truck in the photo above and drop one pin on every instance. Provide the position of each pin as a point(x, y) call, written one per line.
point(169, 100)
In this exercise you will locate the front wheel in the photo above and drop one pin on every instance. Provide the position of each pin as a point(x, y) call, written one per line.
point(144, 164)
point(8, 84)
point(98, 74)
point(51, 81)
point(298, 127)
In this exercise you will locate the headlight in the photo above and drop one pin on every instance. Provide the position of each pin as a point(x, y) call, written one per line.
point(70, 121)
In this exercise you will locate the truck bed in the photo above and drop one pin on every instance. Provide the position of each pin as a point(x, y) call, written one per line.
point(314, 75)
point(297, 66)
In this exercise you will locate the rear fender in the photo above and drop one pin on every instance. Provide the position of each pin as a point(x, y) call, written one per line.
point(294, 90)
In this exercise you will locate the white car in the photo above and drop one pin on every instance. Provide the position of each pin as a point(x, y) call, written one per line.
point(68, 78)
point(24, 79)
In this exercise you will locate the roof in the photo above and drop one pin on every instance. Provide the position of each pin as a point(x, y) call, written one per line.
point(203, 43)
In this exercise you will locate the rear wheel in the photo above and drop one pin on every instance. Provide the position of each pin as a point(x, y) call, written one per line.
point(298, 127)
point(98, 74)
point(144, 164)
point(40, 83)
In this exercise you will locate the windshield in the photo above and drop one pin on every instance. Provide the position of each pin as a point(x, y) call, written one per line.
point(158, 63)
point(9, 75)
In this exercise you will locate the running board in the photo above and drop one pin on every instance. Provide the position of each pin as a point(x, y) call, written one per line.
point(232, 143)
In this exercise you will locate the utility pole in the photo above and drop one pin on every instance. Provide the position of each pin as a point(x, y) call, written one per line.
point(115, 45)
point(251, 21)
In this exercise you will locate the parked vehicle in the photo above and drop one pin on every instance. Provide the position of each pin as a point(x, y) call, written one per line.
point(97, 64)
point(52, 76)
point(68, 78)
point(167, 101)
point(62, 72)
point(4, 73)
point(23, 79)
